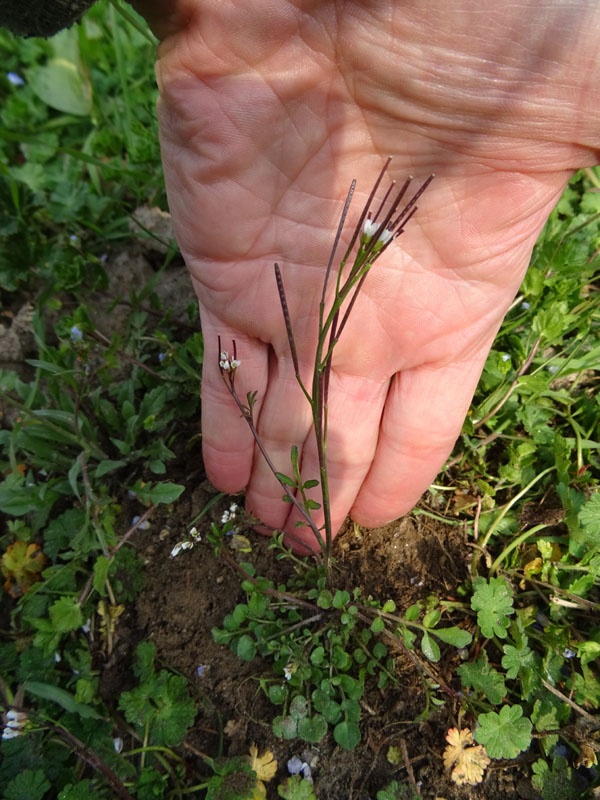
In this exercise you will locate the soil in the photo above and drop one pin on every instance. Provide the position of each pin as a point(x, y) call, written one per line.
point(186, 596)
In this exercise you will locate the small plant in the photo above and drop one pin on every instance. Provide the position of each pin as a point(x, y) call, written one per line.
point(379, 225)
point(326, 642)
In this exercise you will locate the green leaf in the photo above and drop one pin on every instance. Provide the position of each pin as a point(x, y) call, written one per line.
point(340, 598)
point(61, 85)
point(454, 636)
point(162, 706)
point(493, 602)
point(296, 788)
point(299, 707)
point(166, 492)
point(557, 782)
point(245, 648)
point(61, 697)
point(515, 659)
point(100, 573)
point(285, 479)
point(430, 648)
point(65, 614)
point(397, 791)
point(108, 465)
point(72, 476)
point(431, 619)
point(312, 729)
point(277, 693)
point(310, 484)
point(389, 607)
point(504, 735)
point(378, 625)
point(143, 666)
point(589, 519)
point(29, 785)
point(483, 678)
point(347, 734)
point(285, 727)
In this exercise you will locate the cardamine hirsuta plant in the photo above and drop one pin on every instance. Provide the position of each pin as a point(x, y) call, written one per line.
point(379, 225)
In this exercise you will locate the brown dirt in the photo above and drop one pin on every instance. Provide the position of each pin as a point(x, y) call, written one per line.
point(185, 597)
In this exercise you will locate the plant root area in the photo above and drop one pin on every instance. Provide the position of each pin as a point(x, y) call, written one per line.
point(184, 597)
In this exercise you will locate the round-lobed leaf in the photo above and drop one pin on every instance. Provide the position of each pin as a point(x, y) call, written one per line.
point(245, 648)
point(312, 729)
point(347, 734)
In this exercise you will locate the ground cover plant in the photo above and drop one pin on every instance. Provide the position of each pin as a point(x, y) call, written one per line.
point(453, 654)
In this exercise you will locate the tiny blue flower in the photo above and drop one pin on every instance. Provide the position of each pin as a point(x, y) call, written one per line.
point(568, 653)
point(505, 357)
point(552, 368)
point(143, 526)
point(76, 334)
point(15, 79)
point(294, 765)
point(73, 238)
point(161, 357)
point(525, 305)
point(200, 670)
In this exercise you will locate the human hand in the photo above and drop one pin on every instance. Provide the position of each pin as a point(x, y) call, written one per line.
point(267, 111)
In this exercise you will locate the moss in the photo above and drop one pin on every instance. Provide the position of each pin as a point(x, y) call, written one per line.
point(41, 17)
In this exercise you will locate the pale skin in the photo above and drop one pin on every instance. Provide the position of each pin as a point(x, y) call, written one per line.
point(268, 110)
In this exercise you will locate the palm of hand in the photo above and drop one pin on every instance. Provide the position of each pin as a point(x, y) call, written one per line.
point(266, 115)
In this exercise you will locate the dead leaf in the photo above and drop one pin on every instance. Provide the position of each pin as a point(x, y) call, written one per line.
point(265, 767)
point(470, 762)
point(586, 758)
point(240, 543)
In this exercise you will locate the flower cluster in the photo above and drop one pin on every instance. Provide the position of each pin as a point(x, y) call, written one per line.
point(228, 364)
point(230, 515)
point(186, 544)
point(15, 723)
point(369, 230)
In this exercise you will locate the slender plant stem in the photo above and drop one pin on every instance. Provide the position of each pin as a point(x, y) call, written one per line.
point(247, 414)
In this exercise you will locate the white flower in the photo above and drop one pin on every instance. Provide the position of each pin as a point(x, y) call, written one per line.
point(228, 364)
point(229, 515)
point(370, 228)
point(15, 722)
point(118, 744)
point(289, 670)
point(193, 534)
point(385, 236)
point(181, 546)
point(86, 628)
